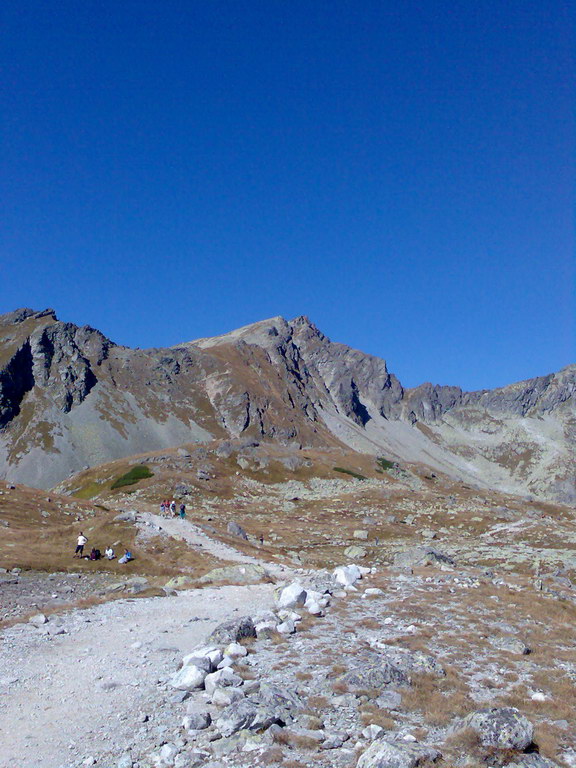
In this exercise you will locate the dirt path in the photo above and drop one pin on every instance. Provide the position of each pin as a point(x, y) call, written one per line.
point(196, 537)
point(86, 693)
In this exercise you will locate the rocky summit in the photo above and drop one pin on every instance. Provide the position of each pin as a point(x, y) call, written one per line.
point(70, 398)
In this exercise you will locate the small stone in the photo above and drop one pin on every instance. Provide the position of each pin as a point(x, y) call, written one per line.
point(38, 620)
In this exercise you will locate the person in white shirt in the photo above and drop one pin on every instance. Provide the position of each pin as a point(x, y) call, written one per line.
point(80, 545)
point(109, 553)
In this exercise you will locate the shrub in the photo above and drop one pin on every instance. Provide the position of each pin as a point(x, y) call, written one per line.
point(133, 475)
point(384, 463)
point(349, 472)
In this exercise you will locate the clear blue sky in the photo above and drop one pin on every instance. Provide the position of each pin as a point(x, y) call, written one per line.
point(402, 172)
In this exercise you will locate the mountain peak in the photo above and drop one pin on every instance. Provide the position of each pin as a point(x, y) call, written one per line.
point(25, 313)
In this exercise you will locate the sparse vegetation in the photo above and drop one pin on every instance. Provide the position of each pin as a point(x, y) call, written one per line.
point(384, 463)
point(356, 475)
point(134, 475)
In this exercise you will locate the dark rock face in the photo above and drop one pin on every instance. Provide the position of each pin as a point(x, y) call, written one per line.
point(16, 380)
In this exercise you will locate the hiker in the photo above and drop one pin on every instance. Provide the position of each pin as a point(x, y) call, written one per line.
point(80, 545)
point(95, 554)
point(162, 508)
point(182, 511)
point(109, 553)
point(126, 557)
point(173, 507)
point(261, 538)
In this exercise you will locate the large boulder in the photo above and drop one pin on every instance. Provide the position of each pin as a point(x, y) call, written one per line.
point(189, 678)
point(347, 575)
point(500, 727)
point(222, 678)
point(532, 760)
point(233, 631)
point(355, 552)
point(388, 754)
point(291, 596)
point(236, 530)
point(180, 582)
point(419, 556)
point(380, 675)
point(509, 644)
point(410, 662)
point(244, 573)
point(282, 700)
point(245, 714)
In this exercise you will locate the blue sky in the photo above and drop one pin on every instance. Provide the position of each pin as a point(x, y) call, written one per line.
point(400, 172)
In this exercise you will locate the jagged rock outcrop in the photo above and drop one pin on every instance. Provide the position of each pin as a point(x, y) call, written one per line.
point(70, 396)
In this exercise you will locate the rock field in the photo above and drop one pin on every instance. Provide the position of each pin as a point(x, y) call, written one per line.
point(377, 667)
point(292, 619)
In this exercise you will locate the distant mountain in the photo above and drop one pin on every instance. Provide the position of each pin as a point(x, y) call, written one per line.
point(70, 397)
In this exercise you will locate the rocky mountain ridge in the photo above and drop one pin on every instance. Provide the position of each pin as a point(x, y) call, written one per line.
point(70, 397)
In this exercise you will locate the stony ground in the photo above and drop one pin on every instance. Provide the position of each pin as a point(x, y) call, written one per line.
point(472, 607)
point(94, 682)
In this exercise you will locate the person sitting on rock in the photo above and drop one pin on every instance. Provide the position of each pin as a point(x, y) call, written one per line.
point(109, 553)
point(126, 557)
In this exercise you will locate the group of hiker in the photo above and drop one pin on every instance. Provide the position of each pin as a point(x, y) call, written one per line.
point(169, 508)
point(96, 554)
point(166, 508)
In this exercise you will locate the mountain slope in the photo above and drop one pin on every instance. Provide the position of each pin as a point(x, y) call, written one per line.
point(69, 398)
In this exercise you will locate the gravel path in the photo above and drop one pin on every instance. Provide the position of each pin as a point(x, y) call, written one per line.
point(196, 537)
point(66, 697)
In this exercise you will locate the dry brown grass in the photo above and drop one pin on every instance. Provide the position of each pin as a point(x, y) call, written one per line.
point(295, 740)
point(373, 715)
point(369, 623)
point(54, 538)
point(340, 687)
point(317, 704)
point(303, 675)
point(438, 699)
point(270, 756)
point(548, 738)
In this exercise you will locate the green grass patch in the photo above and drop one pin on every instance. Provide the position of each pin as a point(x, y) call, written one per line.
point(88, 491)
point(349, 472)
point(133, 475)
point(384, 463)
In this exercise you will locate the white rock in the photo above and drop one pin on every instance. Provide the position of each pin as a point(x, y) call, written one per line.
point(538, 696)
point(223, 697)
point(292, 596)
point(226, 662)
point(286, 628)
point(189, 678)
point(289, 616)
point(264, 628)
point(211, 652)
point(315, 609)
point(38, 620)
point(222, 678)
point(197, 661)
point(235, 651)
point(372, 732)
point(373, 591)
point(363, 570)
point(346, 575)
